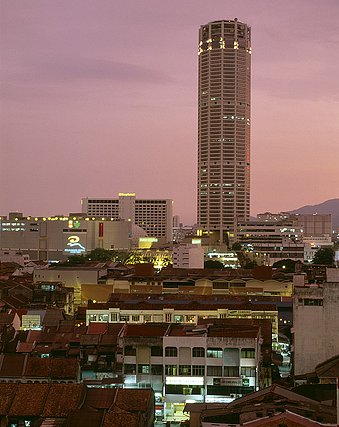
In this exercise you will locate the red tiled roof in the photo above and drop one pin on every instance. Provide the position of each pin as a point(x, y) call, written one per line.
point(29, 400)
point(53, 317)
point(97, 328)
point(62, 399)
point(64, 338)
point(74, 352)
point(177, 330)
point(20, 312)
point(108, 340)
point(24, 347)
point(145, 330)
point(286, 419)
point(120, 418)
point(51, 329)
point(66, 326)
point(89, 339)
point(37, 367)
point(85, 419)
point(236, 333)
point(64, 368)
point(99, 398)
point(12, 365)
point(45, 337)
point(16, 302)
point(184, 302)
point(115, 328)
point(43, 349)
point(134, 400)
point(7, 393)
point(33, 336)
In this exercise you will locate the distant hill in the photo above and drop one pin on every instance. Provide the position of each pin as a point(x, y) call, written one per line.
point(327, 207)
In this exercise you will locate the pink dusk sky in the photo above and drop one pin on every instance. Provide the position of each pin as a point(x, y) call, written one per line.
point(100, 97)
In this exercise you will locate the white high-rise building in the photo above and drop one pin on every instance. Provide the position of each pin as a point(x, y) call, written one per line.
point(154, 216)
point(224, 127)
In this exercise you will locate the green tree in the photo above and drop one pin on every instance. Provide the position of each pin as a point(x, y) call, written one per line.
point(100, 254)
point(213, 264)
point(250, 264)
point(324, 256)
point(285, 265)
point(75, 260)
point(236, 247)
point(104, 255)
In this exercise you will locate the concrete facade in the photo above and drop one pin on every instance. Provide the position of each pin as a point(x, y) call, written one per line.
point(188, 256)
point(315, 323)
point(56, 238)
point(200, 364)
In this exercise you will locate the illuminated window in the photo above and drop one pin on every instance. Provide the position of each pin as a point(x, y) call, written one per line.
point(248, 353)
point(114, 317)
point(168, 317)
point(248, 372)
point(185, 370)
point(171, 370)
point(214, 352)
point(143, 369)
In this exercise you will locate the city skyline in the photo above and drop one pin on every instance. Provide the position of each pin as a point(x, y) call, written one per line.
point(100, 100)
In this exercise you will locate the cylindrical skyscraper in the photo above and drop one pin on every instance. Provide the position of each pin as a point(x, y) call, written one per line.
point(224, 127)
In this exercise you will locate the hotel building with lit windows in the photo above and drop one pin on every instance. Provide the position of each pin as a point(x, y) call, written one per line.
point(154, 216)
point(224, 107)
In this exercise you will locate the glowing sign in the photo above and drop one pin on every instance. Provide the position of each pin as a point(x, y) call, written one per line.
point(148, 239)
point(196, 241)
point(12, 226)
point(185, 380)
point(75, 224)
point(146, 242)
point(74, 246)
